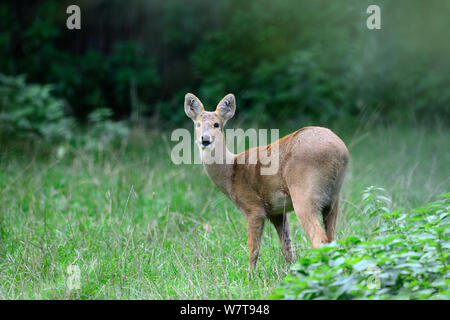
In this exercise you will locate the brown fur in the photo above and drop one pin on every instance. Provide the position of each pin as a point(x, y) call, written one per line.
point(312, 164)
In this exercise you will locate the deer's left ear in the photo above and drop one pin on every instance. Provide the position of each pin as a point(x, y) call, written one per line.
point(226, 107)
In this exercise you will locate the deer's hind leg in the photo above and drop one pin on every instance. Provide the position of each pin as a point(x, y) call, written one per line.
point(330, 214)
point(306, 211)
point(281, 224)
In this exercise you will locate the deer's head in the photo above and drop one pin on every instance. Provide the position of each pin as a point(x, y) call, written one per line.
point(208, 125)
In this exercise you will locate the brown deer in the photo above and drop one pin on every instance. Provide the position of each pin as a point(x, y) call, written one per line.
point(312, 165)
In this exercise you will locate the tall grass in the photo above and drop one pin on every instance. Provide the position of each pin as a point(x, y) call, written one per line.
point(139, 227)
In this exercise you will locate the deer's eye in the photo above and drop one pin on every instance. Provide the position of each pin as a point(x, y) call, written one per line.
point(198, 124)
point(216, 125)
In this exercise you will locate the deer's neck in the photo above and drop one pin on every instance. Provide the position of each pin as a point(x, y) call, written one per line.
point(219, 166)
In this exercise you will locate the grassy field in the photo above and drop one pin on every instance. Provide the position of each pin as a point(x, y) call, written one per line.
point(139, 227)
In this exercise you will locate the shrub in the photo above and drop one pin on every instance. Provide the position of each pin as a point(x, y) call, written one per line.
point(31, 110)
point(405, 258)
point(102, 132)
point(295, 85)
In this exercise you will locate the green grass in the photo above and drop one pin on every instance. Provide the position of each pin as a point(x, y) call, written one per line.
point(139, 227)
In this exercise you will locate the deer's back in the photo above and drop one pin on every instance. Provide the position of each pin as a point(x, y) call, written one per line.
point(310, 158)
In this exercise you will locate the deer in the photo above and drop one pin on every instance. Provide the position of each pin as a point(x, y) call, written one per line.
point(312, 166)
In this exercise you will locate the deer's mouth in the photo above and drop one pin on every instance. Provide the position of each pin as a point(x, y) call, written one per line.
point(206, 143)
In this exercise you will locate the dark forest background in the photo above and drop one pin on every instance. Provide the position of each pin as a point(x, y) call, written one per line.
point(284, 60)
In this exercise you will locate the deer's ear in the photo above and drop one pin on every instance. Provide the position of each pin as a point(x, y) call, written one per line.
point(192, 106)
point(226, 107)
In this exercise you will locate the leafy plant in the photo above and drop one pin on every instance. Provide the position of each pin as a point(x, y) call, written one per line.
point(31, 110)
point(102, 131)
point(405, 258)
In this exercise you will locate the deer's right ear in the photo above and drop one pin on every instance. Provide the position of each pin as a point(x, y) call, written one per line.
point(192, 106)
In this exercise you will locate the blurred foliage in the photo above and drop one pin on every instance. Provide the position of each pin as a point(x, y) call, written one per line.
point(32, 111)
point(102, 131)
point(289, 60)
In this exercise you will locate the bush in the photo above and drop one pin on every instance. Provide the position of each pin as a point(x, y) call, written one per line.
point(295, 85)
point(31, 110)
point(102, 132)
point(406, 258)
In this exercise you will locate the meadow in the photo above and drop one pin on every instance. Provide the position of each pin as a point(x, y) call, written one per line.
point(140, 227)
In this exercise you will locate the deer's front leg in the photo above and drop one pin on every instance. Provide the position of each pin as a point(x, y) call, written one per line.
point(255, 225)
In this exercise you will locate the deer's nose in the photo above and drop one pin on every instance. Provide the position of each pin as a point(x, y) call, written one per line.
point(206, 140)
